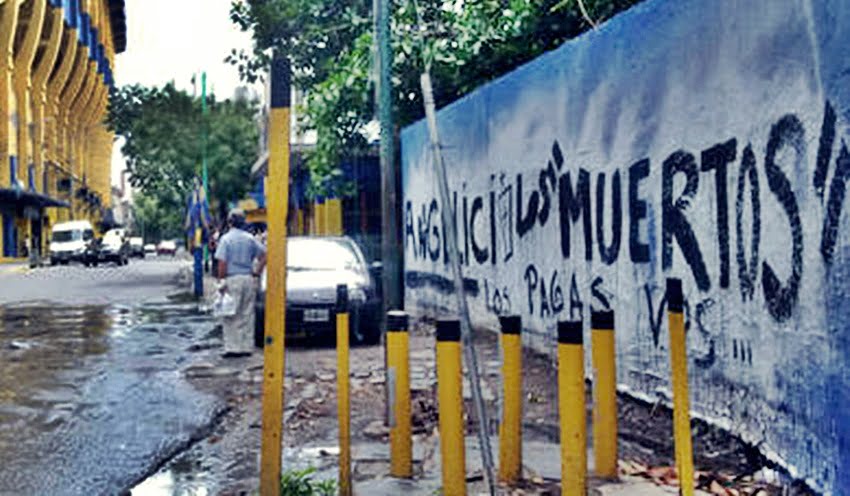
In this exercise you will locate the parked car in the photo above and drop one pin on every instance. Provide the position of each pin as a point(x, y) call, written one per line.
point(137, 247)
point(150, 249)
point(315, 267)
point(114, 247)
point(166, 248)
point(69, 241)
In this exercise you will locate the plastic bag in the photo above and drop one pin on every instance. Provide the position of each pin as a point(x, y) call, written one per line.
point(224, 305)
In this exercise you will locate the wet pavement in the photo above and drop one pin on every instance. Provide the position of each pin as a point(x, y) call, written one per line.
point(90, 396)
point(124, 392)
point(93, 397)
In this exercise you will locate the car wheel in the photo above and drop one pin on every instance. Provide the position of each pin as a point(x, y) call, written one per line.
point(94, 263)
point(53, 262)
point(66, 262)
point(87, 263)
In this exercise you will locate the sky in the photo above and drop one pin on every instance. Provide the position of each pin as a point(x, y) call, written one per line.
point(174, 39)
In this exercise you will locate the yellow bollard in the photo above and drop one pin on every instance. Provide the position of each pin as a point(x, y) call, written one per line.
point(299, 222)
point(604, 394)
point(571, 408)
point(401, 454)
point(510, 429)
point(450, 398)
point(681, 404)
point(343, 398)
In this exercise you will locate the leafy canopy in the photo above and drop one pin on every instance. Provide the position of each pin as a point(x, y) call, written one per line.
point(465, 43)
point(163, 132)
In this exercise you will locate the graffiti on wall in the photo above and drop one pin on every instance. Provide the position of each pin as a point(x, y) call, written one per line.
point(585, 188)
point(578, 202)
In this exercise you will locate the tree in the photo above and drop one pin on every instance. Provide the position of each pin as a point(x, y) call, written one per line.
point(155, 222)
point(162, 130)
point(465, 44)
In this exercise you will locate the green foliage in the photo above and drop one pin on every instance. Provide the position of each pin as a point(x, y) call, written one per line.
point(163, 132)
point(464, 43)
point(301, 483)
point(155, 222)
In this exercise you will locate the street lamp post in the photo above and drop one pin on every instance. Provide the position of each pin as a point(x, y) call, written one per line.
point(204, 173)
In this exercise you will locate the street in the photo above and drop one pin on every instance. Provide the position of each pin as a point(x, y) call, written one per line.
point(91, 390)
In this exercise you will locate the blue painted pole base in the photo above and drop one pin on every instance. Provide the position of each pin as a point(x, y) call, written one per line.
point(199, 272)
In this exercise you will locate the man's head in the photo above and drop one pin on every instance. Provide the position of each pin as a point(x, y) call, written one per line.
point(236, 218)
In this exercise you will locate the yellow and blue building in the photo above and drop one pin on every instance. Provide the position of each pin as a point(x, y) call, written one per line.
point(55, 150)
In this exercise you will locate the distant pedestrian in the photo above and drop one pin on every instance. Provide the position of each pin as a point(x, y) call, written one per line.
point(213, 246)
point(236, 253)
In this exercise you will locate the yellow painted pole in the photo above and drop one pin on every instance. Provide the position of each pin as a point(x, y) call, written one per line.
point(275, 332)
point(604, 394)
point(321, 218)
point(343, 400)
point(571, 408)
point(334, 213)
point(681, 403)
point(510, 428)
point(450, 404)
point(398, 361)
point(299, 221)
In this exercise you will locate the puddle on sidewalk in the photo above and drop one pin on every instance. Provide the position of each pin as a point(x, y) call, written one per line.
point(187, 475)
point(90, 396)
point(183, 477)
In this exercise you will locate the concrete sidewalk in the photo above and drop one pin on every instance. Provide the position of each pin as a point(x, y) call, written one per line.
point(541, 471)
point(13, 266)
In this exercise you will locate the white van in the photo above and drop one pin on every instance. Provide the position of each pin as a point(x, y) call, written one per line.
point(69, 240)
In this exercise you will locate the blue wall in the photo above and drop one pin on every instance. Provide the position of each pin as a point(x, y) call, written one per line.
point(706, 140)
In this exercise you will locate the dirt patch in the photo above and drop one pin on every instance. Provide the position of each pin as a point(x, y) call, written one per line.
point(724, 464)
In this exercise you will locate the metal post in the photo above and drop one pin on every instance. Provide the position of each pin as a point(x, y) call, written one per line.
point(398, 385)
point(204, 151)
point(604, 394)
point(391, 243)
point(681, 403)
point(571, 408)
point(199, 272)
point(510, 427)
point(450, 404)
point(275, 332)
point(343, 400)
point(457, 273)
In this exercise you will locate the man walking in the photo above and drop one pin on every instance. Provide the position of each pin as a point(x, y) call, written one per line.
point(237, 250)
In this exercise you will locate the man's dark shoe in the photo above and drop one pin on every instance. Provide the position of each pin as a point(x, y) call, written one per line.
point(235, 354)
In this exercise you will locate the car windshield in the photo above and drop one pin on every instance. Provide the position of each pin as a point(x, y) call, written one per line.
point(321, 254)
point(65, 236)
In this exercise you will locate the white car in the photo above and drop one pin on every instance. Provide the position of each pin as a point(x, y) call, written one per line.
point(113, 248)
point(166, 248)
point(150, 249)
point(69, 241)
